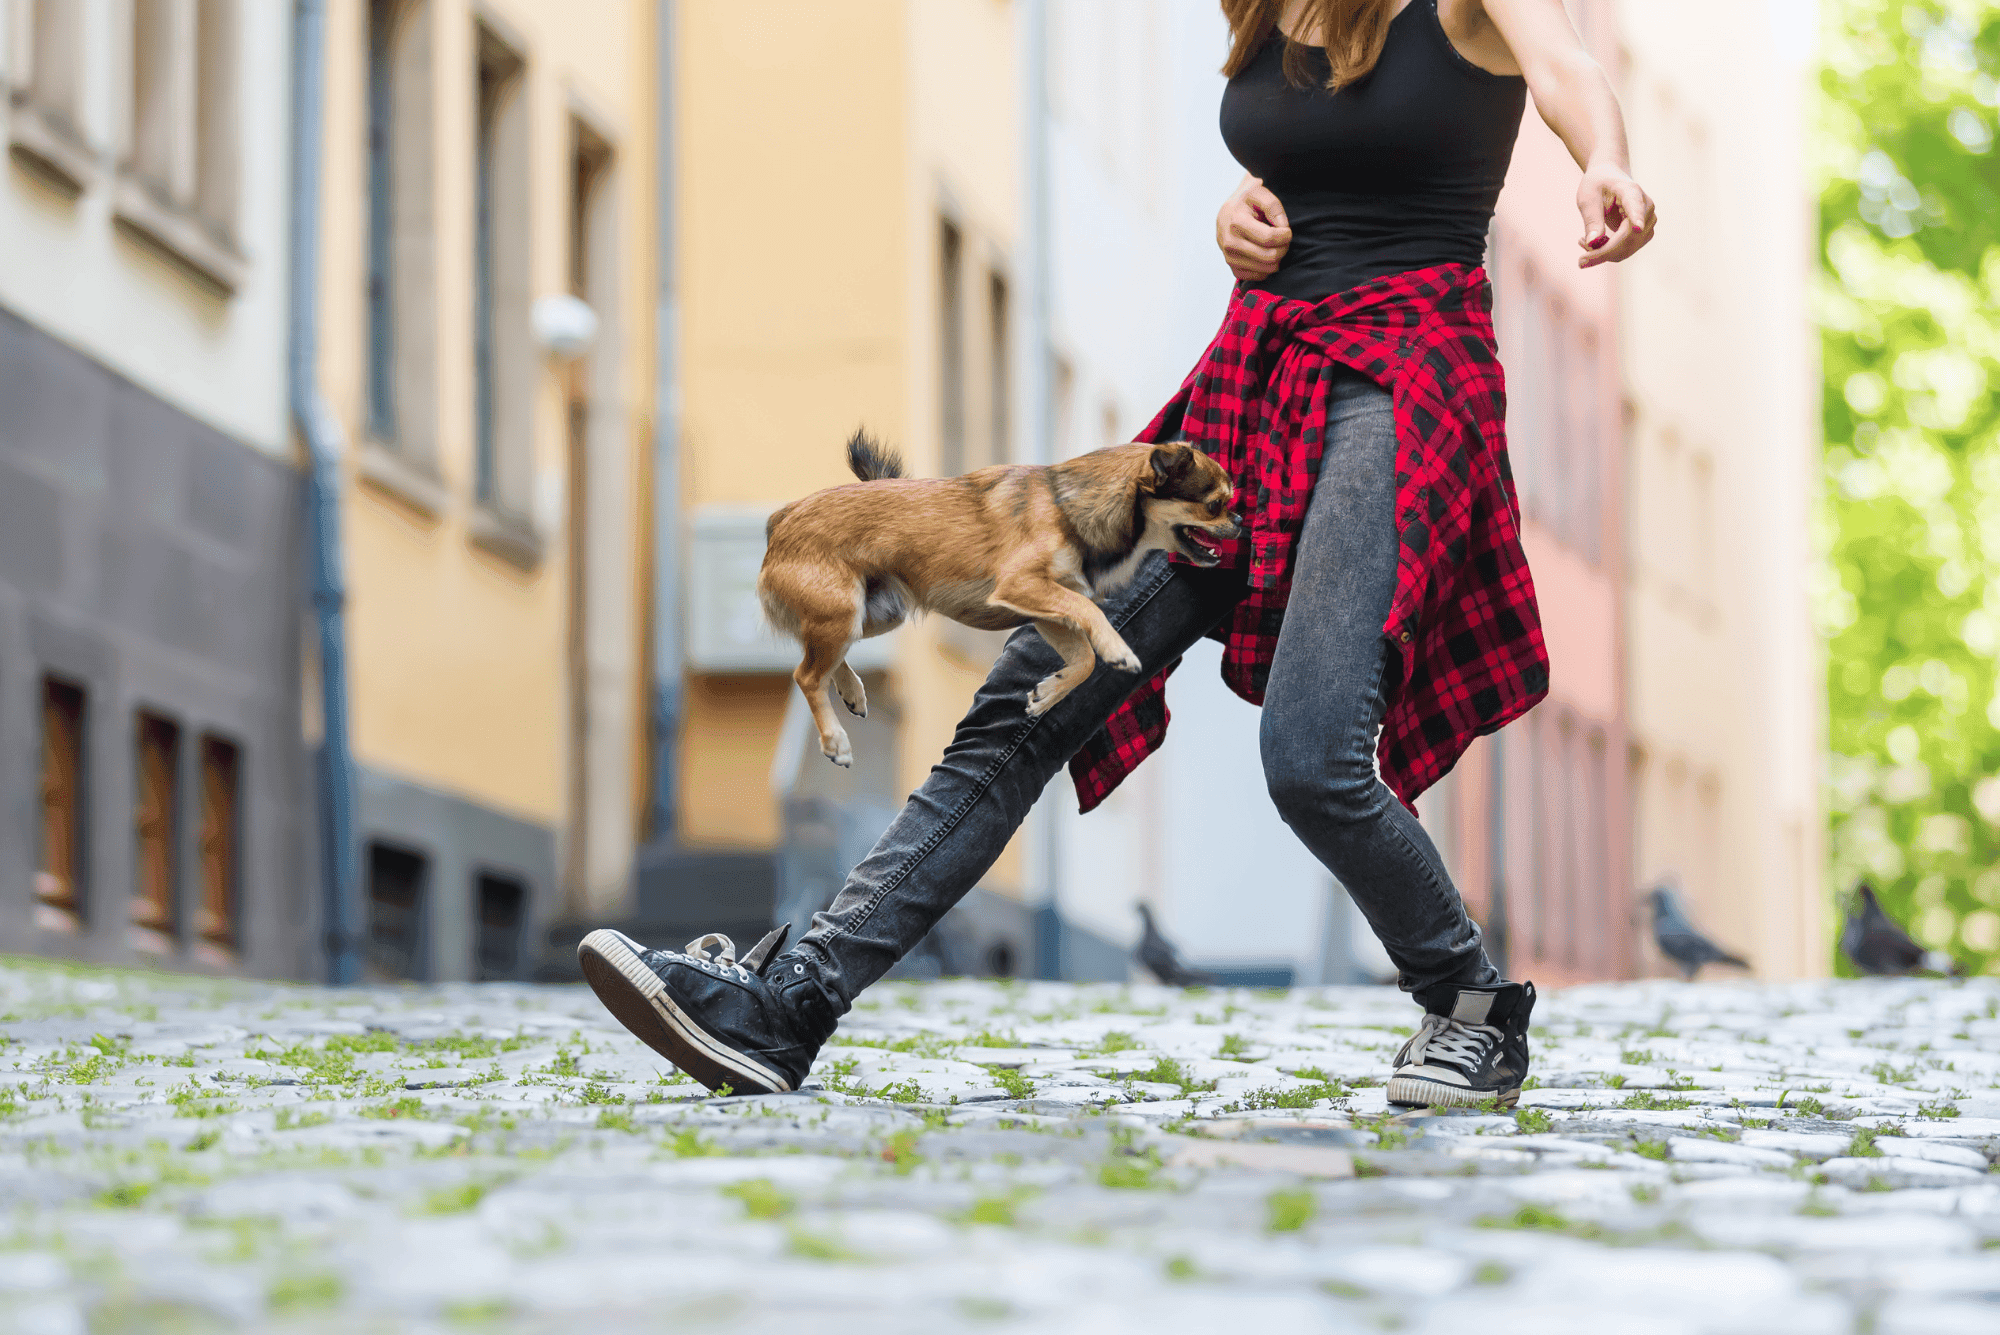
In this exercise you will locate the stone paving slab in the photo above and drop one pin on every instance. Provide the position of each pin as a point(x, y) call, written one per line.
point(192, 1155)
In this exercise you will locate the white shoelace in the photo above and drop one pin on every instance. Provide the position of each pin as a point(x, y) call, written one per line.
point(724, 948)
point(1453, 1041)
point(724, 957)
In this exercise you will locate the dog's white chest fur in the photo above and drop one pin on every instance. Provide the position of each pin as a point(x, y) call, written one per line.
point(1158, 537)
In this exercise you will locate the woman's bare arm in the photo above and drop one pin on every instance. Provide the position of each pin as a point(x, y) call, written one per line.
point(1576, 100)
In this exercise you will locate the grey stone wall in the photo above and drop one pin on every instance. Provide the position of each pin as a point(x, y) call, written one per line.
point(458, 841)
point(154, 561)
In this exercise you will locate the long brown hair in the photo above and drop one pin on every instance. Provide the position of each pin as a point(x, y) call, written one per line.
point(1353, 32)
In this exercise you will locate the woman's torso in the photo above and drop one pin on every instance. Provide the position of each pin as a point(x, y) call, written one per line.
point(1399, 170)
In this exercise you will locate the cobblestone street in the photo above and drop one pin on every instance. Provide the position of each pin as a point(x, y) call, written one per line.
point(189, 1155)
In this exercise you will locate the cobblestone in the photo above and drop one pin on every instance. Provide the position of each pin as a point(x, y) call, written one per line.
point(192, 1155)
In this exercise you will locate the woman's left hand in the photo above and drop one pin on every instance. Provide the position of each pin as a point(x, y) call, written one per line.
point(1617, 216)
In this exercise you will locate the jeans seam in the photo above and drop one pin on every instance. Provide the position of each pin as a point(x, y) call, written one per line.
point(1431, 880)
point(1369, 727)
point(984, 783)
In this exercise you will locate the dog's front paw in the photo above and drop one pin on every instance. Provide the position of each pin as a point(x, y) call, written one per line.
point(838, 749)
point(1049, 692)
point(1124, 660)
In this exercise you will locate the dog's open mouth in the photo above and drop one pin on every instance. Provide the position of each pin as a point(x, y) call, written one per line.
point(1198, 545)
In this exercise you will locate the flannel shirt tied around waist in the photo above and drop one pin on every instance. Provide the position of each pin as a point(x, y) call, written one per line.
point(1464, 614)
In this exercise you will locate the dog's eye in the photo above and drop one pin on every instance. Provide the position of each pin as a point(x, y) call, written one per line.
point(1215, 509)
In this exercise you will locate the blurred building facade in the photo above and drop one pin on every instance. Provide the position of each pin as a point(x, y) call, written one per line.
point(1535, 821)
point(150, 759)
point(1133, 171)
point(855, 265)
point(487, 166)
point(1661, 422)
point(1720, 376)
point(983, 231)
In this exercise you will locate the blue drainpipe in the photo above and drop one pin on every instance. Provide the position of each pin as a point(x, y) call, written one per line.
point(321, 431)
point(667, 651)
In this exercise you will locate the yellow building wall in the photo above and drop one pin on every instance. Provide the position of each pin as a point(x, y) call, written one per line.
point(809, 224)
point(457, 656)
point(792, 158)
point(966, 157)
point(1726, 686)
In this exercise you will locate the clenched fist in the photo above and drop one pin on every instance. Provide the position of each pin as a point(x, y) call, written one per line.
point(1252, 231)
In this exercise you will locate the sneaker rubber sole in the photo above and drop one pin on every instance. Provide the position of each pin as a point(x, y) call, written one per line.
point(1409, 1091)
point(639, 1000)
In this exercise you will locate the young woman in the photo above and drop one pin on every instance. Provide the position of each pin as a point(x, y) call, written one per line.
point(1380, 610)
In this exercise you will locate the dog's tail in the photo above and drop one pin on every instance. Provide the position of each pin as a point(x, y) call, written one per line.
point(870, 459)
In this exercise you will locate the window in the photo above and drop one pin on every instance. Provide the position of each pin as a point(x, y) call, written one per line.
point(503, 356)
point(1586, 449)
point(951, 350)
point(215, 916)
point(55, 50)
point(1554, 436)
point(178, 189)
point(46, 130)
point(1554, 904)
point(1556, 477)
point(47, 124)
point(155, 809)
point(501, 901)
point(216, 116)
point(1524, 347)
point(1526, 852)
point(397, 878)
point(999, 380)
point(58, 882)
point(401, 234)
point(1701, 523)
point(1565, 839)
point(1595, 930)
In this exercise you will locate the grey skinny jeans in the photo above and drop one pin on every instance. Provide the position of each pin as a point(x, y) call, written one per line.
point(1323, 707)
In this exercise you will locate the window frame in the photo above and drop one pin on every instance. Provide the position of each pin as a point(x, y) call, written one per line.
point(218, 913)
point(65, 889)
point(156, 841)
point(178, 186)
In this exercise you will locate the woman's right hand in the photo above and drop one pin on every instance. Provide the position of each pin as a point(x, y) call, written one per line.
point(1252, 231)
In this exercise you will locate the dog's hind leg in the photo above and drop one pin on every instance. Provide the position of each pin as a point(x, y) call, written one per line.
point(822, 607)
point(848, 686)
point(824, 657)
point(1078, 663)
point(885, 605)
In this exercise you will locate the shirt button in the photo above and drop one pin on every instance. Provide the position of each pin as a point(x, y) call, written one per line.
point(1404, 637)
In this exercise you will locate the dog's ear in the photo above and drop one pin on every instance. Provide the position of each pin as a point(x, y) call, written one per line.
point(1171, 464)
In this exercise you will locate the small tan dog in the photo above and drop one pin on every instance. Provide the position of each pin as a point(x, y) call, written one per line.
point(995, 549)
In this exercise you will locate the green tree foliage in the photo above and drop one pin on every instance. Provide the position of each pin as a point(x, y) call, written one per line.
point(1909, 305)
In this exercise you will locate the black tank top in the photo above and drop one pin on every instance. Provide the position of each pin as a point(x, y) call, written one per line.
point(1398, 170)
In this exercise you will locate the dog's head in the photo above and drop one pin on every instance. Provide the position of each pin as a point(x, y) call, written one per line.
point(1188, 491)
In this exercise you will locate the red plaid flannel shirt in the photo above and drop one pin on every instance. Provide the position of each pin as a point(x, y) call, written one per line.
point(1464, 613)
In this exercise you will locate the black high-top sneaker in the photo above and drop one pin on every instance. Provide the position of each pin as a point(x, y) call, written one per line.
point(753, 1025)
point(1474, 1051)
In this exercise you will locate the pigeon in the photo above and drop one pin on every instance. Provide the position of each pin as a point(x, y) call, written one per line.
point(1678, 939)
point(1163, 960)
point(1875, 944)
